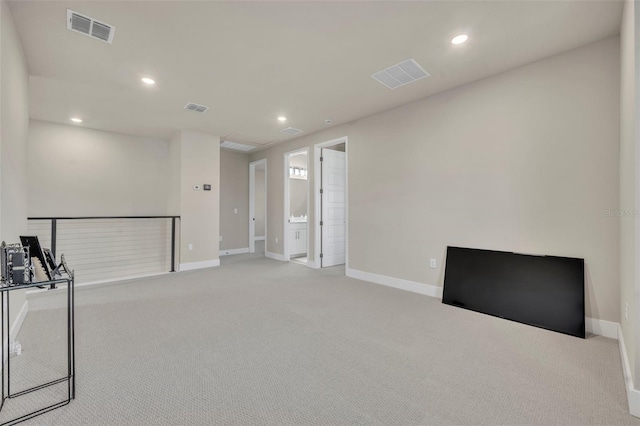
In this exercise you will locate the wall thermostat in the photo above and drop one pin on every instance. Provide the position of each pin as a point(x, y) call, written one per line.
point(207, 187)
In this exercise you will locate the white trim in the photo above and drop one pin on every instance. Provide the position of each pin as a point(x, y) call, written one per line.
point(633, 395)
point(275, 256)
point(413, 286)
point(634, 402)
point(234, 251)
point(601, 327)
point(199, 265)
point(259, 238)
point(107, 281)
point(593, 325)
point(252, 206)
point(17, 324)
point(286, 192)
point(36, 290)
point(15, 328)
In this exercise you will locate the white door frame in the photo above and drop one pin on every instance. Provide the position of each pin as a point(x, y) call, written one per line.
point(317, 236)
point(287, 201)
point(252, 204)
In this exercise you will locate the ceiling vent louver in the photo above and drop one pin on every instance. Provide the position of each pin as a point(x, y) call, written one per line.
point(195, 107)
point(89, 26)
point(236, 146)
point(400, 74)
point(291, 131)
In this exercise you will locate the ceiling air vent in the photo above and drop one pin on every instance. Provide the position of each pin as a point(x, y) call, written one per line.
point(89, 26)
point(195, 107)
point(236, 146)
point(400, 74)
point(291, 131)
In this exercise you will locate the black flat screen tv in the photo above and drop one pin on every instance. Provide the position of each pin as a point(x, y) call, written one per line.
point(543, 291)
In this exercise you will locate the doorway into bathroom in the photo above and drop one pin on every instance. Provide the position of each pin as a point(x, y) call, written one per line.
point(296, 208)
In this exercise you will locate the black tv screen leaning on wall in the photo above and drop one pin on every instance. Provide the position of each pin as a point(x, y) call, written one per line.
point(543, 291)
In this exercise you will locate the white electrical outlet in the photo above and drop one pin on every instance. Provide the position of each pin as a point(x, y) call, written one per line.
point(432, 263)
point(190, 247)
point(235, 210)
point(276, 240)
point(15, 348)
point(220, 238)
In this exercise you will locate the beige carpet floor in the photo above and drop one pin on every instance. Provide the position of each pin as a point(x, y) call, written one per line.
point(261, 342)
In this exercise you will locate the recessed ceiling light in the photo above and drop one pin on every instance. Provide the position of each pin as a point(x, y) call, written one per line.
point(149, 81)
point(459, 39)
point(282, 118)
point(76, 120)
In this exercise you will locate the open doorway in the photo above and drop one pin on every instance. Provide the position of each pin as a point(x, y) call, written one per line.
point(296, 208)
point(331, 206)
point(257, 206)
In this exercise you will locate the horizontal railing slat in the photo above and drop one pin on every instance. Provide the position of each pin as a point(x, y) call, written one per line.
point(102, 248)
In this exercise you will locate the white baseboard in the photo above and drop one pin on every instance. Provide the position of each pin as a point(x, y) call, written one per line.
point(601, 327)
point(275, 256)
point(413, 286)
point(35, 291)
point(15, 327)
point(228, 252)
point(593, 325)
point(199, 265)
point(633, 395)
point(259, 238)
point(17, 324)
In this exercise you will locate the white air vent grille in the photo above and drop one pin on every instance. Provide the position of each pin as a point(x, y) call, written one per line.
point(195, 107)
point(291, 131)
point(89, 26)
point(236, 146)
point(100, 31)
point(400, 74)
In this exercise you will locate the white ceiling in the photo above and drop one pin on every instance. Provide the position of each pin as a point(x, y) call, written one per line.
point(253, 61)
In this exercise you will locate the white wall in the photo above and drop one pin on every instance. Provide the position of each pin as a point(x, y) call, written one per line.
point(199, 210)
point(524, 161)
point(298, 197)
point(75, 171)
point(175, 176)
point(630, 196)
point(14, 118)
point(628, 177)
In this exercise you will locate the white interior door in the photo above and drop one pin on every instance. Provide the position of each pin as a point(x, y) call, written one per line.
point(252, 208)
point(334, 208)
point(257, 203)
